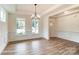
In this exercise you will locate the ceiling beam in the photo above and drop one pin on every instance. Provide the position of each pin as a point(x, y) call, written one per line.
point(50, 9)
point(62, 10)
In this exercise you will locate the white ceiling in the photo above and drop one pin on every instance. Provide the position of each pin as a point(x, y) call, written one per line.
point(66, 10)
point(11, 8)
point(42, 9)
point(29, 8)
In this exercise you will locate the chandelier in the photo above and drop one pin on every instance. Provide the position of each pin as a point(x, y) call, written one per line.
point(35, 15)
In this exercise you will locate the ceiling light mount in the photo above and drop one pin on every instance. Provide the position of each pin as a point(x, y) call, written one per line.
point(35, 15)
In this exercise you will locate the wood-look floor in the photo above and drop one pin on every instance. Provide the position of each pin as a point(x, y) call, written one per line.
point(54, 46)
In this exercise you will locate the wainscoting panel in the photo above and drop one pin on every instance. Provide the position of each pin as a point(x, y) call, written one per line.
point(72, 36)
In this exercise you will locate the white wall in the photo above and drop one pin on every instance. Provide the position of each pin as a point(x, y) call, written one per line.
point(67, 27)
point(45, 28)
point(51, 27)
point(3, 35)
point(12, 28)
point(4, 27)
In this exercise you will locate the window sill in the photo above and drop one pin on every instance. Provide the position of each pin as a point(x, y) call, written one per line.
point(27, 34)
point(35, 33)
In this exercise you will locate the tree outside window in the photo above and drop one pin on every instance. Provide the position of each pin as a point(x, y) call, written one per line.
point(20, 26)
point(35, 26)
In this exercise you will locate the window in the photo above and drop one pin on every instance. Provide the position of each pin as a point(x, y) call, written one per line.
point(2, 15)
point(20, 26)
point(35, 26)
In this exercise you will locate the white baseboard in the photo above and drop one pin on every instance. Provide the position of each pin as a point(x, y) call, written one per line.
point(72, 36)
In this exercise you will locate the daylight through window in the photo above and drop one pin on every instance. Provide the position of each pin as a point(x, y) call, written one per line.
point(20, 26)
point(2, 15)
point(35, 26)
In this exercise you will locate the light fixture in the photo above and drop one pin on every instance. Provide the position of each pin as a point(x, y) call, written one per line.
point(35, 15)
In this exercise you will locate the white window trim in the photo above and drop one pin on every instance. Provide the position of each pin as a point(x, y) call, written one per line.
point(25, 28)
point(4, 14)
point(38, 28)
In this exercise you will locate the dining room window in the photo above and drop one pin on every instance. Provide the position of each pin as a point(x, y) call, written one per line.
point(2, 15)
point(35, 26)
point(20, 26)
